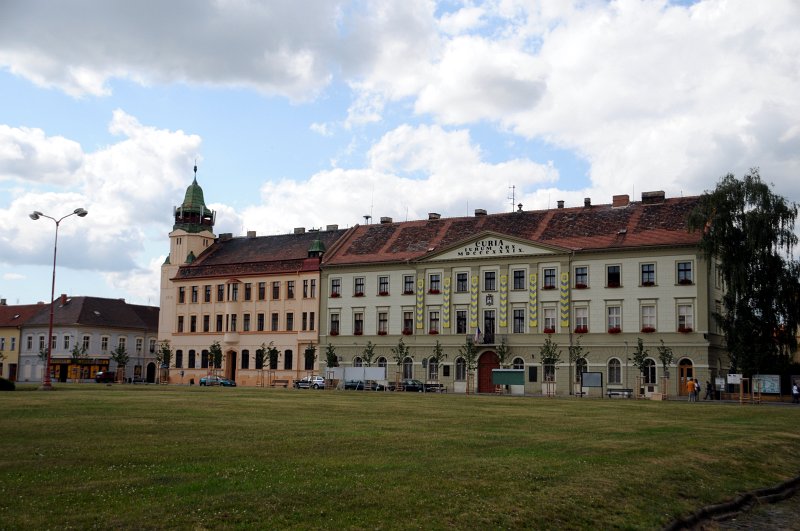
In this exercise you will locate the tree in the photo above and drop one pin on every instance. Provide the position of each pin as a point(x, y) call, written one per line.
point(470, 354)
point(504, 354)
point(551, 356)
point(121, 358)
point(331, 359)
point(640, 355)
point(164, 358)
point(273, 354)
point(78, 354)
point(215, 356)
point(311, 356)
point(437, 357)
point(576, 353)
point(665, 355)
point(369, 354)
point(399, 354)
point(749, 231)
point(261, 357)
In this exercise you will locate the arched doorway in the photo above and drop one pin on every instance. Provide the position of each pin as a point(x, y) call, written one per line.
point(151, 373)
point(486, 363)
point(230, 365)
point(685, 373)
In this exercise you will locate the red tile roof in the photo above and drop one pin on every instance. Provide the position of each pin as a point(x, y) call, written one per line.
point(19, 314)
point(594, 227)
point(97, 311)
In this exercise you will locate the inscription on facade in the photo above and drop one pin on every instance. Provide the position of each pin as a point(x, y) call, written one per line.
point(490, 247)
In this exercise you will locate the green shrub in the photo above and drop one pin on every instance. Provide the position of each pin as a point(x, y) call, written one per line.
point(6, 385)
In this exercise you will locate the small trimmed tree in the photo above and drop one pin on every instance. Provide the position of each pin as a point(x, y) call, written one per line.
point(369, 354)
point(310, 357)
point(437, 358)
point(121, 358)
point(78, 354)
point(215, 357)
point(551, 356)
point(331, 359)
point(665, 355)
point(639, 357)
point(576, 353)
point(273, 354)
point(261, 357)
point(399, 354)
point(470, 354)
point(164, 359)
point(504, 354)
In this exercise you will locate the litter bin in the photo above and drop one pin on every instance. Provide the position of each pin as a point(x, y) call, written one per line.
point(191, 381)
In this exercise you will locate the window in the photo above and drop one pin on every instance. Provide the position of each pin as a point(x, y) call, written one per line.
point(304, 322)
point(181, 295)
point(29, 342)
point(408, 323)
point(519, 321)
point(648, 318)
point(287, 359)
point(192, 356)
point(152, 345)
point(86, 340)
point(489, 278)
point(139, 345)
point(549, 320)
point(685, 273)
point(310, 356)
point(581, 320)
point(219, 322)
point(180, 324)
point(311, 323)
point(195, 294)
point(358, 362)
point(613, 276)
point(433, 322)
point(262, 291)
point(276, 290)
point(648, 275)
point(614, 371)
point(614, 319)
point(122, 342)
point(290, 289)
point(358, 323)
point(273, 363)
point(233, 323)
point(434, 283)
point(433, 369)
point(204, 359)
point(246, 322)
point(248, 291)
point(549, 278)
point(336, 287)
point(53, 342)
point(260, 322)
point(383, 323)
point(519, 279)
point(408, 368)
point(335, 324)
point(259, 363)
point(207, 293)
point(649, 371)
point(206, 323)
point(461, 369)
point(383, 285)
point(220, 292)
point(685, 318)
point(462, 283)
point(178, 359)
point(13, 344)
point(289, 321)
point(233, 291)
point(461, 321)
point(408, 284)
point(581, 277)
point(104, 343)
point(358, 289)
point(305, 288)
point(313, 288)
point(41, 343)
point(66, 343)
point(245, 359)
point(193, 323)
point(382, 362)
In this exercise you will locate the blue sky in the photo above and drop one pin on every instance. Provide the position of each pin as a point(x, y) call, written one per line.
point(319, 112)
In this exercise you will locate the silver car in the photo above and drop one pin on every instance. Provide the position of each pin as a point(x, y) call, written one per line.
point(310, 382)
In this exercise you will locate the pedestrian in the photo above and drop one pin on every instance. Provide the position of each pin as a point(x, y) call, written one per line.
point(690, 389)
point(709, 391)
point(696, 390)
point(795, 393)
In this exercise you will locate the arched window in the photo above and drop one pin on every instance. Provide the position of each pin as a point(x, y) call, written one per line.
point(358, 362)
point(381, 362)
point(191, 359)
point(287, 359)
point(204, 359)
point(245, 359)
point(580, 367)
point(433, 369)
point(178, 359)
point(614, 371)
point(461, 369)
point(518, 363)
point(649, 371)
point(408, 368)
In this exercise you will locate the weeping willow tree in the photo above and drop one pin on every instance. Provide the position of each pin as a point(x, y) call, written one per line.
point(749, 231)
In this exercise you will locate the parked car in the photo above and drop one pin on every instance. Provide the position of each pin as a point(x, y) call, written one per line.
point(104, 376)
point(217, 380)
point(410, 385)
point(310, 382)
point(361, 385)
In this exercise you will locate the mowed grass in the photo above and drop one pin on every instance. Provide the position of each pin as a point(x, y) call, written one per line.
point(154, 457)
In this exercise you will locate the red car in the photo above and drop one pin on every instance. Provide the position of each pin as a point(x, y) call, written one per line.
point(104, 376)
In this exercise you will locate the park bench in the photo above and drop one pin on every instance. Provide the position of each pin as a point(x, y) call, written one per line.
point(279, 383)
point(621, 393)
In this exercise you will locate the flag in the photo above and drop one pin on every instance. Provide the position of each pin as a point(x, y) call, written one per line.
point(478, 335)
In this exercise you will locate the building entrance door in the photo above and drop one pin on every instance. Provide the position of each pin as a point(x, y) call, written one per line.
point(486, 363)
point(230, 366)
point(685, 373)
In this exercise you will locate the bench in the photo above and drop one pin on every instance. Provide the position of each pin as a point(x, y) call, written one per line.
point(622, 393)
point(280, 383)
point(435, 388)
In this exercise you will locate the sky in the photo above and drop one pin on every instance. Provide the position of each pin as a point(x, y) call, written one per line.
point(318, 112)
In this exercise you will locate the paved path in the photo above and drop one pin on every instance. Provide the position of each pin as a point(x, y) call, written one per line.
point(781, 516)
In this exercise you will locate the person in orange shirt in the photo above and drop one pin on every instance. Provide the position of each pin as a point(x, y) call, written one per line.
point(690, 389)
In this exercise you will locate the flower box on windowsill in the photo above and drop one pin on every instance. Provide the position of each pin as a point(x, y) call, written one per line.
point(383, 293)
point(685, 329)
point(613, 285)
point(358, 294)
point(548, 287)
point(685, 282)
point(648, 284)
point(581, 329)
point(648, 329)
point(549, 331)
point(358, 333)
point(433, 332)
point(335, 295)
point(614, 330)
point(382, 332)
point(434, 291)
point(408, 292)
point(406, 331)
point(580, 285)
point(334, 333)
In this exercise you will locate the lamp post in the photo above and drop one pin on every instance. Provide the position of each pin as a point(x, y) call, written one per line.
point(80, 212)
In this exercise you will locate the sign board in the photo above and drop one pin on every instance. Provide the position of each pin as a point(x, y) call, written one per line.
point(735, 379)
point(508, 377)
point(719, 383)
point(769, 383)
point(592, 379)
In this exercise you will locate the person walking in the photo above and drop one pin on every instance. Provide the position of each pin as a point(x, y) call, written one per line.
point(795, 393)
point(690, 389)
point(696, 390)
point(709, 391)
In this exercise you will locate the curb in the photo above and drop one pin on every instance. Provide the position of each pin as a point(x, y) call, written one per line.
point(743, 502)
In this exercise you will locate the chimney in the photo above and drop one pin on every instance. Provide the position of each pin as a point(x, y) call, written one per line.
point(385, 220)
point(2, 302)
point(620, 200)
point(480, 212)
point(63, 299)
point(587, 202)
point(332, 227)
point(225, 236)
point(560, 203)
point(652, 198)
point(299, 230)
point(251, 234)
point(433, 215)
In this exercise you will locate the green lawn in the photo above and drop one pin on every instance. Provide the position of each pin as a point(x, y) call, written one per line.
point(148, 457)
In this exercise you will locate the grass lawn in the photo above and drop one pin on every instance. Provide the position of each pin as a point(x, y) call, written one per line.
point(151, 457)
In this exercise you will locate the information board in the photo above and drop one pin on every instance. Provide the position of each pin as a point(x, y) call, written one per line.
point(592, 379)
point(508, 376)
point(770, 383)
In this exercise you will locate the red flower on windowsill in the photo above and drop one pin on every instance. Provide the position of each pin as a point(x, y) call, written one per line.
point(685, 329)
point(614, 330)
point(358, 294)
point(383, 293)
point(335, 295)
point(334, 333)
point(358, 333)
point(549, 331)
point(648, 329)
point(408, 292)
point(548, 287)
point(613, 285)
point(434, 291)
point(381, 332)
point(433, 332)
point(648, 283)
point(581, 329)
point(685, 282)
point(406, 331)
point(580, 285)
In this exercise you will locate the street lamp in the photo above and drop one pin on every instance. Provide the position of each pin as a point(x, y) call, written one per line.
point(80, 212)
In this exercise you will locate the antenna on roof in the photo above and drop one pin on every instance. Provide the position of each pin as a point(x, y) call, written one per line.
point(513, 189)
point(367, 217)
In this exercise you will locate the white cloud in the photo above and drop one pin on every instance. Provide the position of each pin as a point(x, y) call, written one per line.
point(27, 154)
point(323, 129)
point(13, 276)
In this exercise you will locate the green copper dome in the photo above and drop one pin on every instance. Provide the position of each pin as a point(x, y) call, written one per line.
point(193, 200)
point(193, 215)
